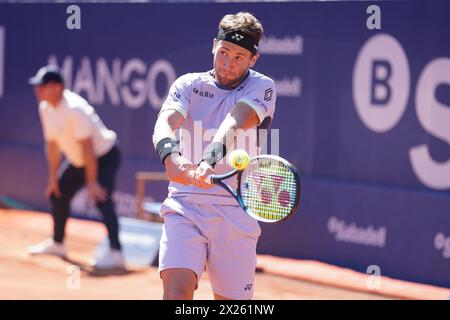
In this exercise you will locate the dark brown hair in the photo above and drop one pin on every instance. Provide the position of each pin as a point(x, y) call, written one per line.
point(244, 22)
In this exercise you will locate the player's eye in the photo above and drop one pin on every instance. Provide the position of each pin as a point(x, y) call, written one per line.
point(223, 52)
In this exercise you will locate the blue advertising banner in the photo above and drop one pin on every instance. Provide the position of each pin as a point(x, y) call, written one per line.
point(362, 111)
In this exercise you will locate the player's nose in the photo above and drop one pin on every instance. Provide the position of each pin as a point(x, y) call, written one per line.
point(226, 64)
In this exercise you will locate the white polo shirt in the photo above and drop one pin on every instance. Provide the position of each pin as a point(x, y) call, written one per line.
point(72, 120)
point(204, 103)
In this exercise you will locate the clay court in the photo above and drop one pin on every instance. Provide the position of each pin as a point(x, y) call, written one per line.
point(46, 277)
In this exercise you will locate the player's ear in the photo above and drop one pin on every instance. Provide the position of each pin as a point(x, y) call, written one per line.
point(254, 59)
point(214, 46)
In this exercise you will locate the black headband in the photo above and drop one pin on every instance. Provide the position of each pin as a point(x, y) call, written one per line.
point(239, 38)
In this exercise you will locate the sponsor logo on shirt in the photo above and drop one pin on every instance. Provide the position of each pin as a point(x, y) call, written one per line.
point(268, 94)
point(260, 103)
point(203, 93)
point(176, 95)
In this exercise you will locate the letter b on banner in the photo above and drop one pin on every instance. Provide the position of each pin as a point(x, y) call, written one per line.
point(381, 82)
point(381, 73)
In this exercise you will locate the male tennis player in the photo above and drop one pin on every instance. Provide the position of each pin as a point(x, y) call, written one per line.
point(72, 127)
point(203, 225)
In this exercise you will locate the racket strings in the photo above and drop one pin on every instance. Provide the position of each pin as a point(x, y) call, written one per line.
point(269, 189)
point(263, 201)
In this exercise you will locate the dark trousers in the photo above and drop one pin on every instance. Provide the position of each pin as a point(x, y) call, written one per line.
point(72, 179)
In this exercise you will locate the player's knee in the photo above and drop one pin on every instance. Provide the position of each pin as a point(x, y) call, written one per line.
point(178, 294)
point(177, 290)
point(220, 297)
point(179, 284)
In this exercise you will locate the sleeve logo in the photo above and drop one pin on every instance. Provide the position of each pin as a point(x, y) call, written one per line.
point(176, 95)
point(268, 94)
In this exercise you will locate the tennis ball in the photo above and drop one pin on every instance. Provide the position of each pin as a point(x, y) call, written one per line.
point(239, 159)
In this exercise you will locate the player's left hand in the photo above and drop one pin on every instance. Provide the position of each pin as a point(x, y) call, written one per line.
point(200, 175)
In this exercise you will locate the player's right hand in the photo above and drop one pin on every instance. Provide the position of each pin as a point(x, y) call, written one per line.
point(97, 192)
point(179, 169)
point(52, 188)
point(203, 171)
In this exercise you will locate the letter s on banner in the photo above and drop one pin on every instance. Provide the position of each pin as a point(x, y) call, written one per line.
point(434, 117)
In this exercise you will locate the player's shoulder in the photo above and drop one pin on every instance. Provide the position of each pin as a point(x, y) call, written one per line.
point(43, 107)
point(258, 77)
point(74, 100)
point(76, 103)
point(260, 82)
point(192, 78)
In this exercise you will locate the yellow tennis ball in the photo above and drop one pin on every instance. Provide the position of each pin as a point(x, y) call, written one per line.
point(239, 159)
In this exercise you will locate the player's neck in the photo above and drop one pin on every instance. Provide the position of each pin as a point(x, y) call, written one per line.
point(233, 85)
point(54, 102)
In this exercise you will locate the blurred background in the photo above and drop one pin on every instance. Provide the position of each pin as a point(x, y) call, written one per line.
point(363, 111)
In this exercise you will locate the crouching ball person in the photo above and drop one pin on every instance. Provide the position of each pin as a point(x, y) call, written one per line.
point(72, 128)
point(204, 228)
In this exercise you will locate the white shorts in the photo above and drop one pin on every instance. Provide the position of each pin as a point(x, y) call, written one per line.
point(220, 238)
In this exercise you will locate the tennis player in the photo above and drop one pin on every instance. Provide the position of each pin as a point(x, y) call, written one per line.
point(203, 225)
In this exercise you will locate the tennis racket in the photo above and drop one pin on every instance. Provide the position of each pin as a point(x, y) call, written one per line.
point(268, 189)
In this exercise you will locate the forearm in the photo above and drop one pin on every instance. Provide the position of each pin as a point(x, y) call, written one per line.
point(53, 159)
point(95, 190)
point(162, 130)
point(241, 117)
point(90, 160)
point(226, 132)
point(177, 167)
point(90, 166)
point(166, 125)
